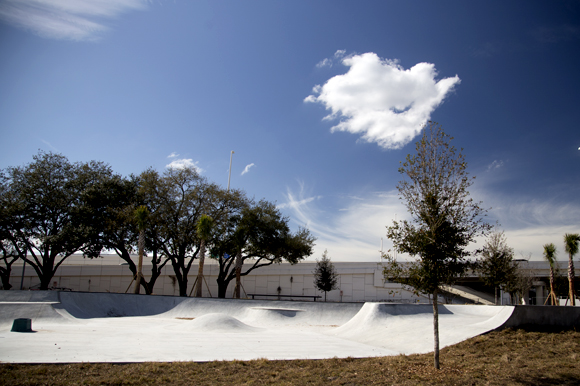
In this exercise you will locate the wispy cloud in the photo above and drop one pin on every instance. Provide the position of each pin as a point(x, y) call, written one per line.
point(80, 20)
point(352, 233)
point(326, 62)
point(555, 34)
point(351, 226)
point(299, 204)
point(530, 222)
point(49, 145)
point(247, 168)
point(329, 62)
point(485, 51)
point(183, 164)
point(495, 165)
point(380, 100)
point(173, 155)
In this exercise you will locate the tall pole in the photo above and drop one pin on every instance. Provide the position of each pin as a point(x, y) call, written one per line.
point(239, 254)
point(230, 175)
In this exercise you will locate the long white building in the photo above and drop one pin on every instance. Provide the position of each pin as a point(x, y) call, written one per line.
point(358, 282)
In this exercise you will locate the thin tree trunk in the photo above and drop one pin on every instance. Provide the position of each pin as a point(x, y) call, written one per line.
point(436, 330)
point(237, 294)
point(552, 293)
point(571, 279)
point(5, 274)
point(199, 283)
point(140, 263)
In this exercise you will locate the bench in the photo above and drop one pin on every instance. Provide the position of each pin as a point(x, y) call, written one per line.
point(314, 297)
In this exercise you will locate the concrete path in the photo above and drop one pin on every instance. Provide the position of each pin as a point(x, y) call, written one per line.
point(90, 327)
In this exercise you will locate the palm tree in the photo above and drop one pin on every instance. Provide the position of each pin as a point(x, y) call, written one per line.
point(550, 256)
point(204, 228)
point(571, 241)
point(140, 214)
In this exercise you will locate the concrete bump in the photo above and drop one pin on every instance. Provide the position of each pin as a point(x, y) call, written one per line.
point(220, 323)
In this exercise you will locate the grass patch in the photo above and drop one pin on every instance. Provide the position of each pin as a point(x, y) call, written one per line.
point(509, 357)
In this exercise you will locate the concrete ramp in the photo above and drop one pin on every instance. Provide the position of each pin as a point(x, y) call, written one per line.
point(408, 328)
point(42, 307)
point(87, 305)
point(42, 314)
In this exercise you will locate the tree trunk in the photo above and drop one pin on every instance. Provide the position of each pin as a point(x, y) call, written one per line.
point(156, 268)
point(148, 286)
point(222, 288)
point(436, 330)
point(140, 262)
point(5, 275)
point(183, 287)
point(239, 263)
point(553, 297)
point(571, 278)
point(199, 283)
point(45, 282)
point(6, 282)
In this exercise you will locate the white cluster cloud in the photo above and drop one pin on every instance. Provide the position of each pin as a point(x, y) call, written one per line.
point(65, 19)
point(380, 100)
point(247, 168)
point(183, 163)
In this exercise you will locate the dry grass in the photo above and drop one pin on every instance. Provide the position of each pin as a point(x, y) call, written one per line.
point(509, 357)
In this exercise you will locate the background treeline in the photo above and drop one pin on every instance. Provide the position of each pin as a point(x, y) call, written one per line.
point(52, 208)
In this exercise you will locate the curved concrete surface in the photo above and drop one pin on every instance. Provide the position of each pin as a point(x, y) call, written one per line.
point(92, 327)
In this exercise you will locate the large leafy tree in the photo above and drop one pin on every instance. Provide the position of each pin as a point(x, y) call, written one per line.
point(550, 257)
point(110, 210)
point(259, 234)
point(182, 196)
point(325, 276)
point(8, 221)
point(519, 288)
point(496, 267)
point(49, 196)
point(151, 194)
point(444, 219)
point(571, 241)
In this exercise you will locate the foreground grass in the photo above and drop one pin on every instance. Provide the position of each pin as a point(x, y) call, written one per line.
point(509, 357)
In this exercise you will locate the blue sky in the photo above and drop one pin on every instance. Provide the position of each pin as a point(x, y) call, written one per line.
point(320, 100)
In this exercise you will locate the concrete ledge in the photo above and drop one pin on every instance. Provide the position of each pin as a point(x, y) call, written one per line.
point(544, 316)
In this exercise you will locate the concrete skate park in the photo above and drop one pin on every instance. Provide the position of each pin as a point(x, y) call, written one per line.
point(104, 327)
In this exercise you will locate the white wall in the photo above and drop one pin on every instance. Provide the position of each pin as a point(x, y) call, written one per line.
point(358, 282)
